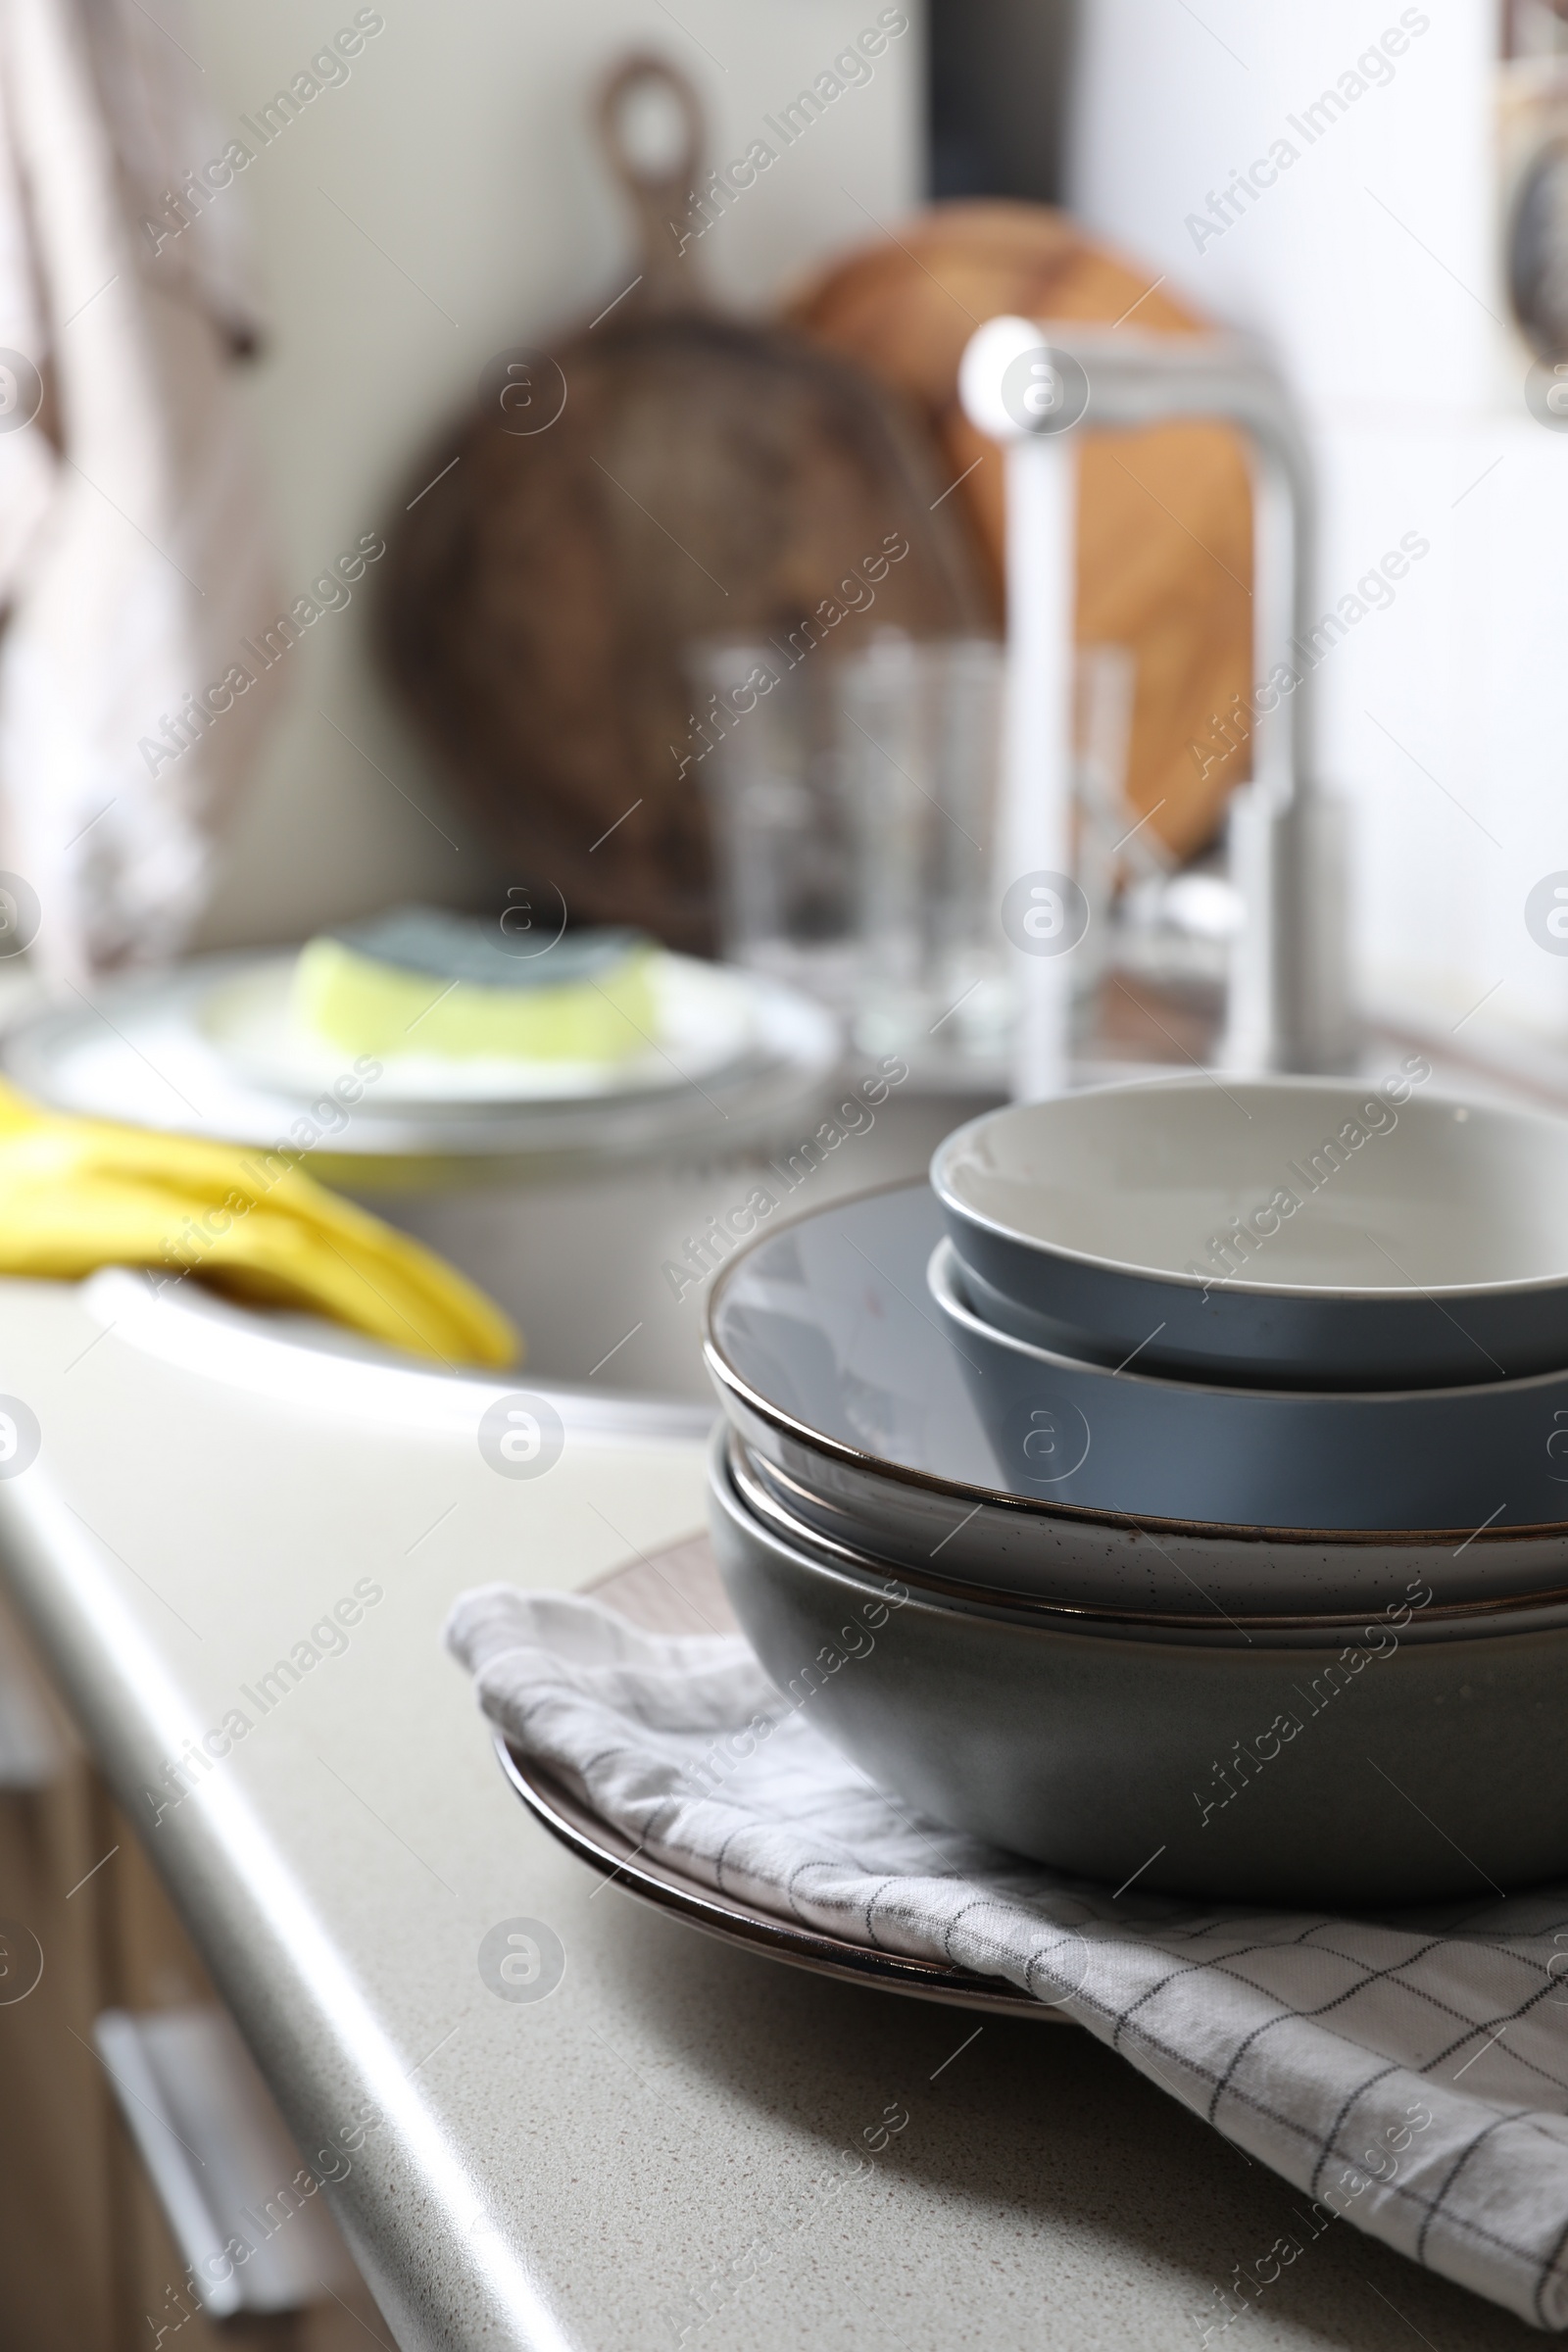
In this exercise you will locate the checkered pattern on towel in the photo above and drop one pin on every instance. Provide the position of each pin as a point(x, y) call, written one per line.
point(1409, 2073)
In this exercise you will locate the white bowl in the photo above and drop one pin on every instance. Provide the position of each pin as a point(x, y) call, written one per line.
point(1293, 1232)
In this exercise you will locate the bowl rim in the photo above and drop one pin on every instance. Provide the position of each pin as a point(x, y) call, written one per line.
point(986, 1600)
point(1184, 1082)
point(730, 1382)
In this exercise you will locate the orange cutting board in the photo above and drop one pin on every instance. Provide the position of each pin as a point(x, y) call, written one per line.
point(1165, 518)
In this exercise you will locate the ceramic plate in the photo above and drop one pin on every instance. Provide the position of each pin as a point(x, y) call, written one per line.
point(707, 1021)
point(139, 1053)
point(678, 1592)
point(599, 1843)
point(758, 1491)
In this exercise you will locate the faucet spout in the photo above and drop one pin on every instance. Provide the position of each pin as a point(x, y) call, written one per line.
point(1025, 380)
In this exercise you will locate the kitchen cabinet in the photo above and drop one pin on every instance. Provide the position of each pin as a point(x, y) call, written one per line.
point(87, 2262)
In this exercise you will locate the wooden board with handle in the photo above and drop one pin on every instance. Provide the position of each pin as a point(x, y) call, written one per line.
point(704, 478)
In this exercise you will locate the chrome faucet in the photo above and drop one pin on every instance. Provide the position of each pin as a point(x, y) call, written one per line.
point(1035, 386)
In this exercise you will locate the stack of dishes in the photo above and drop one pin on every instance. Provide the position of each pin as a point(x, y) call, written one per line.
point(1174, 1491)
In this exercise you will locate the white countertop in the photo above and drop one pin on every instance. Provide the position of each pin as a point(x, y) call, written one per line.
point(659, 2145)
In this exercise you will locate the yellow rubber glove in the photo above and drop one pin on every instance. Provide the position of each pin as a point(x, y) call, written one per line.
point(79, 1194)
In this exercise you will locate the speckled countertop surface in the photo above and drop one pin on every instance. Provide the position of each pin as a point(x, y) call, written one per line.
point(657, 2152)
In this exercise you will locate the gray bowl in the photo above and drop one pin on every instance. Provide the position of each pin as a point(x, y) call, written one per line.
point(1368, 1769)
point(1293, 1232)
point(1127, 1440)
point(829, 1357)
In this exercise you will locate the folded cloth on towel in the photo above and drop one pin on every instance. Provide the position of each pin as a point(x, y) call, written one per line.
point(1408, 2072)
point(79, 1194)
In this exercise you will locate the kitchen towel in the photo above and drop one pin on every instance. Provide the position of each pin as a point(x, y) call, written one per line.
point(1408, 2072)
point(134, 547)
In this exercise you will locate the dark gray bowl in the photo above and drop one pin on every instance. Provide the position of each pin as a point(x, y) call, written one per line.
point(1130, 1440)
point(1369, 1769)
point(1289, 1232)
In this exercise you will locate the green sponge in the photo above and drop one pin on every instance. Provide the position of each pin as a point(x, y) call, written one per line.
point(422, 981)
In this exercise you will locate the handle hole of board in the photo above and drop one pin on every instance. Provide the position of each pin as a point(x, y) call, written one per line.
point(652, 121)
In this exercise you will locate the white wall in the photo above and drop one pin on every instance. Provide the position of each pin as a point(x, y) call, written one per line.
point(1372, 263)
point(478, 217)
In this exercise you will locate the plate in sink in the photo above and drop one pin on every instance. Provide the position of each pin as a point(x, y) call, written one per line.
point(170, 1050)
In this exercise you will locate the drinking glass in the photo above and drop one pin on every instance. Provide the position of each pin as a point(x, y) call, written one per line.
point(919, 735)
point(854, 801)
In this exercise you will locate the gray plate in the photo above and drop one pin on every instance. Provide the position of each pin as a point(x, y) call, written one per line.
point(829, 1358)
point(678, 1592)
point(1417, 1613)
point(598, 1841)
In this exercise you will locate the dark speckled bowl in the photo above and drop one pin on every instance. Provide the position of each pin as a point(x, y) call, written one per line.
point(1403, 1761)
